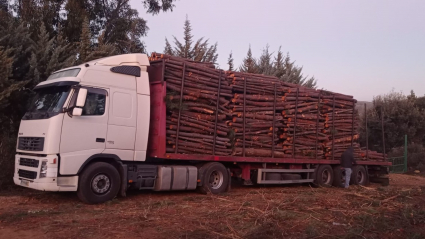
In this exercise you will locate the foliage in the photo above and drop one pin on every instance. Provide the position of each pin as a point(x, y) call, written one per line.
point(230, 62)
point(200, 50)
point(402, 115)
point(249, 63)
point(281, 67)
point(415, 156)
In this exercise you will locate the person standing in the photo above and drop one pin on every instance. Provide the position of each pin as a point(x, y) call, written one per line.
point(347, 162)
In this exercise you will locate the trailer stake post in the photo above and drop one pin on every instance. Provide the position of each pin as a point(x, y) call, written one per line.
point(352, 124)
point(274, 118)
point(295, 123)
point(317, 122)
point(244, 113)
point(383, 132)
point(216, 112)
point(367, 135)
point(180, 108)
point(333, 128)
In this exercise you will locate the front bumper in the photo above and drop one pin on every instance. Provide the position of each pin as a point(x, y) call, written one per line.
point(28, 174)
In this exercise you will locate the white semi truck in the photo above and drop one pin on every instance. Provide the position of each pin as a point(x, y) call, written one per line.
point(99, 128)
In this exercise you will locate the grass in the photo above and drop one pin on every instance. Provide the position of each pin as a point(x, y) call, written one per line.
point(245, 212)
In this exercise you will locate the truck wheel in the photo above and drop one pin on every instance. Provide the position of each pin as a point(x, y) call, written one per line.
point(339, 177)
point(99, 182)
point(359, 175)
point(324, 176)
point(215, 178)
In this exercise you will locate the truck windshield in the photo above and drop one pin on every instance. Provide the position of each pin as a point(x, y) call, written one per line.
point(47, 102)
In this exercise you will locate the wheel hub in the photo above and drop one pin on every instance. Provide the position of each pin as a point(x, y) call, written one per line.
point(360, 177)
point(101, 184)
point(216, 179)
point(326, 176)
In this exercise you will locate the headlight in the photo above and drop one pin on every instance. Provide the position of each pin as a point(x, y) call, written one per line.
point(43, 169)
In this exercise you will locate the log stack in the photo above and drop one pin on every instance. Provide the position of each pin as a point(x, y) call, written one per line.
point(210, 111)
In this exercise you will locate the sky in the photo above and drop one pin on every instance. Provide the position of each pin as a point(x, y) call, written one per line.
point(362, 48)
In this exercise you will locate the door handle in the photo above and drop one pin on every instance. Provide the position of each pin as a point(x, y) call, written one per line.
point(100, 140)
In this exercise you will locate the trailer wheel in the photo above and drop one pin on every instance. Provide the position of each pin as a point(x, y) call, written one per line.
point(215, 178)
point(324, 176)
point(99, 182)
point(359, 175)
point(339, 177)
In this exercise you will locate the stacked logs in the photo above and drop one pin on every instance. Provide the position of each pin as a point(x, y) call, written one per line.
point(233, 113)
point(192, 114)
point(255, 118)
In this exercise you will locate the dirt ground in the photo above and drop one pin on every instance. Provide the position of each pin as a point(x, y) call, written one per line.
point(300, 211)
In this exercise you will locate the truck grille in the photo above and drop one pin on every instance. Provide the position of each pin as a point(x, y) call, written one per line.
point(27, 174)
point(31, 143)
point(29, 162)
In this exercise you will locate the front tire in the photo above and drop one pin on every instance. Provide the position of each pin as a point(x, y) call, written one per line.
point(99, 182)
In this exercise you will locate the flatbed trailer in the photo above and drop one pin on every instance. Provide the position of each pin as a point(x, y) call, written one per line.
point(100, 128)
point(244, 167)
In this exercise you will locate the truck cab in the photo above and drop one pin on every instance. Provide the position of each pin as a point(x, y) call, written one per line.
point(97, 111)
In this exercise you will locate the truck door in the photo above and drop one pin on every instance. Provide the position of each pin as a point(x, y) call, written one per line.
point(85, 135)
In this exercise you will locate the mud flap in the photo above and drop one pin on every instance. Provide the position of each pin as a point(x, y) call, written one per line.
point(123, 174)
point(229, 184)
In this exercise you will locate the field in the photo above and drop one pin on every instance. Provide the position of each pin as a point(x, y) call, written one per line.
point(300, 211)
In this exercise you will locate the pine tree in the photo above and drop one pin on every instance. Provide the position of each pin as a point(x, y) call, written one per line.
point(278, 65)
point(168, 49)
point(102, 49)
point(249, 64)
point(7, 85)
point(200, 51)
point(63, 54)
point(4, 5)
point(185, 49)
point(85, 42)
point(41, 51)
point(15, 36)
point(75, 15)
point(265, 65)
point(230, 61)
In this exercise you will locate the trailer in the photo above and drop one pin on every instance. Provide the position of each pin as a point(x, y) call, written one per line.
point(101, 128)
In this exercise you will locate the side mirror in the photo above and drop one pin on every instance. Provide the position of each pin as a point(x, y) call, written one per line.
point(81, 99)
point(77, 111)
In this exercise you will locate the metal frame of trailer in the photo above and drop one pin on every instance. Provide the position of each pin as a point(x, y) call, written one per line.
point(157, 137)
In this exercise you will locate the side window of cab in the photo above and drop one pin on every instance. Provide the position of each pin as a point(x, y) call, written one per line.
point(95, 102)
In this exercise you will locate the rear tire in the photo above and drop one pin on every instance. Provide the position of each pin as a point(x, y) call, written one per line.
point(99, 182)
point(215, 178)
point(359, 176)
point(324, 176)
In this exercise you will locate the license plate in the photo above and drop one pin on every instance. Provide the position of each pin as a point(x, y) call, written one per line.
point(25, 183)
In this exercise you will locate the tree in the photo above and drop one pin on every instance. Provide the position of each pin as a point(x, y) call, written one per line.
point(249, 64)
point(278, 65)
point(63, 54)
point(281, 67)
point(155, 7)
point(84, 48)
point(38, 37)
point(230, 61)
point(401, 117)
point(265, 65)
point(200, 51)
point(168, 48)
point(41, 51)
